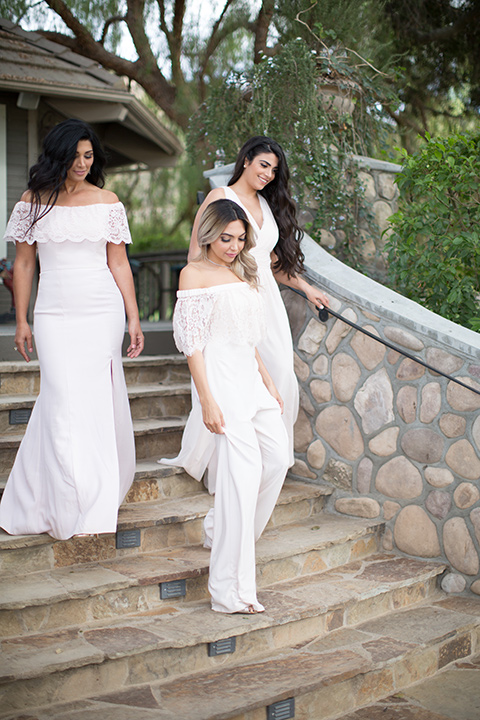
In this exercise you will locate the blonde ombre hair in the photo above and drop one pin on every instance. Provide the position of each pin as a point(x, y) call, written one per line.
point(215, 219)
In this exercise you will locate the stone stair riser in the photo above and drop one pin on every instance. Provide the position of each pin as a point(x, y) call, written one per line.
point(112, 602)
point(152, 665)
point(151, 406)
point(8, 453)
point(317, 560)
point(160, 406)
point(25, 379)
point(158, 443)
point(151, 443)
point(147, 489)
point(166, 373)
point(20, 383)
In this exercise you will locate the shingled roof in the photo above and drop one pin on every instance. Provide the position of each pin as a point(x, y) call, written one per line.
point(78, 87)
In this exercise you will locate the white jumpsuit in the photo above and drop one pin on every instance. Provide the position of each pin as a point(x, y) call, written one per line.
point(247, 464)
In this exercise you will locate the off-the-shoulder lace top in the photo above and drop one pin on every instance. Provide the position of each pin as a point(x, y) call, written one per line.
point(227, 314)
point(101, 221)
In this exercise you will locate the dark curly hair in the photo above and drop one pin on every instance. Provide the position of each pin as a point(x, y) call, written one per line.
point(277, 193)
point(49, 173)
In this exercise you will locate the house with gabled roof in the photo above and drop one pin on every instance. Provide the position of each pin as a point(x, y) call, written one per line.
point(42, 83)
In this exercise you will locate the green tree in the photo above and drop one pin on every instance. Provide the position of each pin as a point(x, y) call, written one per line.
point(434, 251)
point(432, 43)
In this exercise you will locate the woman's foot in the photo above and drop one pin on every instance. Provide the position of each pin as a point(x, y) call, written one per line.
point(249, 610)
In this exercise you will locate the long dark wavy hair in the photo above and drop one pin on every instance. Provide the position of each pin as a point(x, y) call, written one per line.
point(277, 193)
point(49, 173)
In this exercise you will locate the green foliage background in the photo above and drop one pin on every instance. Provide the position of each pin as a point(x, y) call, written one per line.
point(434, 251)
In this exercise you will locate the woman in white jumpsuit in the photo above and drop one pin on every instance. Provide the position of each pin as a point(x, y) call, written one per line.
point(260, 185)
point(235, 427)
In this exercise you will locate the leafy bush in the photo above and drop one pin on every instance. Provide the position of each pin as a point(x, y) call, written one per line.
point(434, 250)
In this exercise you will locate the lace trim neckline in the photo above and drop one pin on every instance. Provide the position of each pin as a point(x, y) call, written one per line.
point(203, 291)
point(74, 207)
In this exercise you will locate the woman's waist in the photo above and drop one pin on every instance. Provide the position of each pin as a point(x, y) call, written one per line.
point(74, 269)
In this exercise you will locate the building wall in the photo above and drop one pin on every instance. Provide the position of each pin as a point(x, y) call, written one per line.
point(17, 171)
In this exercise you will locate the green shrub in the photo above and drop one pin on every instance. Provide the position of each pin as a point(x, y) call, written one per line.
point(434, 250)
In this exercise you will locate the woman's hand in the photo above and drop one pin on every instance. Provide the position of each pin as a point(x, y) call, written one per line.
point(137, 339)
point(213, 417)
point(275, 394)
point(23, 337)
point(315, 296)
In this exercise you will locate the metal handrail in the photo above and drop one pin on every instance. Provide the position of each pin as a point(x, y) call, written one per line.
point(324, 312)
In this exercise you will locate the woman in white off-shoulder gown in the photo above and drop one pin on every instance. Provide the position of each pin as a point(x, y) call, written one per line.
point(77, 458)
point(235, 427)
point(259, 184)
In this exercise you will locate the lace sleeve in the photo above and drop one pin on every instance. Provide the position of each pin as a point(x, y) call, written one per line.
point(118, 230)
point(192, 322)
point(18, 228)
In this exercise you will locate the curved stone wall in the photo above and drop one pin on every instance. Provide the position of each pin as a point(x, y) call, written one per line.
point(396, 440)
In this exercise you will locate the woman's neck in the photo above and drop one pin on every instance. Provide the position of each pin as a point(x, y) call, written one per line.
point(243, 188)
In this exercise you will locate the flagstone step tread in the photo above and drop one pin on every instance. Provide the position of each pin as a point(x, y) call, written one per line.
point(193, 624)
point(175, 510)
point(89, 579)
point(326, 676)
point(14, 402)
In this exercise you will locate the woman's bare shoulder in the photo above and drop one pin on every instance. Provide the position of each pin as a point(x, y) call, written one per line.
point(191, 276)
point(105, 196)
point(27, 196)
point(215, 194)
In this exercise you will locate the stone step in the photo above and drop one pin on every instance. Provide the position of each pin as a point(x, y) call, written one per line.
point(62, 597)
point(154, 437)
point(163, 524)
point(451, 694)
point(155, 400)
point(20, 378)
point(152, 482)
point(120, 655)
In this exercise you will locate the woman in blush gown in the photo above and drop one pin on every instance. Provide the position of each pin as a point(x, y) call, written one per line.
point(259, 184)
point(235, 426)
point(77, 458)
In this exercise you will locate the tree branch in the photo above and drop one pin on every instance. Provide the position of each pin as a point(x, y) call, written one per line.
point(262, 27)
point(176, 43)
point(108, 23)
point(144, 71)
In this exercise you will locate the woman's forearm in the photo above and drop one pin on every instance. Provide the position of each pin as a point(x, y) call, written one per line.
point(297, 282)
point(120, 269)
point(117, 261)
point(212, 415)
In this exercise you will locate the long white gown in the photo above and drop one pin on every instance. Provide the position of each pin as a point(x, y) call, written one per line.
point(77, 458)
point(247, 464)
point(276, 347)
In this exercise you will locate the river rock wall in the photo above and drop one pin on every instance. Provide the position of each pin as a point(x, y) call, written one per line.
point(396, 440)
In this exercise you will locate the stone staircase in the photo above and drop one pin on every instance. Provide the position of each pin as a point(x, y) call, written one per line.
point(86, 634)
